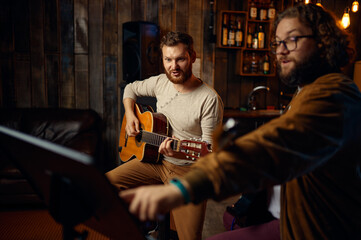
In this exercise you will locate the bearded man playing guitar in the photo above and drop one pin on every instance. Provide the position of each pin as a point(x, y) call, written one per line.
point(192, 109)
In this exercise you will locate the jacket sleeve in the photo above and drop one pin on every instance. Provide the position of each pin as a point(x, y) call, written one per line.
point(302, 139)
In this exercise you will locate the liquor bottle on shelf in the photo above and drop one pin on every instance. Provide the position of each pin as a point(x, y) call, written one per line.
point(255, 41)
point(249, 37)
point(254, 63)
point(266, 64)
point(262, 12)
point(252, 10)
point(239, 33)
point(231, 32)
point(271, 11)
point(260, 37)
point(246, 63)
point(225, 30)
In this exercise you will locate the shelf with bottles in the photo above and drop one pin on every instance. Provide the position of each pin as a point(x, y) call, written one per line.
point(258, 36)
point(230, 29)
point(261, 10)
point(255, 63)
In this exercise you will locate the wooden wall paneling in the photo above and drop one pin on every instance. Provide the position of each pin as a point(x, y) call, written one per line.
point(152, 11)
point(52, 51)
point(233, 85)
point(181, 15)
point(274, 94)
point(39, 98)
point(6, 26)
point(221, 61)
point(7, 80)
point(67, 80)
point(208, 48)
point(195, 29)
point(51, 34)
point(81, 54)
point(138, 10)
point(52, 66)
point(22, 80)
point(81, 81)
point(195, 25)
point(220, 74)
point(20, 14)
point(110, 78)
point(166, 16)
point(96, 55)
point(81, 26)
point(22, 74)
point(247, 84)
point(6, 47)
point(124, 15)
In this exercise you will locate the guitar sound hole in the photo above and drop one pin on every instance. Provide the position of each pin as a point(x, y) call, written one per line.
point(138, 138)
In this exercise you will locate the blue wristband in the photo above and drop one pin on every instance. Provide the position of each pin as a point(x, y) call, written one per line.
point(183, 190)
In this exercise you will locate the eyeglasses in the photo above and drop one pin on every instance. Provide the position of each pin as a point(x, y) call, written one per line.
point(290, 43)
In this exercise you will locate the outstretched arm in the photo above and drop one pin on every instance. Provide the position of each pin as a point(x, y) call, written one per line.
point(152, 202)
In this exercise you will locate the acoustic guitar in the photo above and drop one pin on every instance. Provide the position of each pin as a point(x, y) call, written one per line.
point(154, 129)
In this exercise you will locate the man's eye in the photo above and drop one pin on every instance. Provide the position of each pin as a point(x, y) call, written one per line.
point(291, 39)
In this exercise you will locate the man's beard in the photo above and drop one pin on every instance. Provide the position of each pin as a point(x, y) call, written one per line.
point(185, 75)
point(303, 72)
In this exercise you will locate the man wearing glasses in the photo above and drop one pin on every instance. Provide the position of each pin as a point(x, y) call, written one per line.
point(313, 149)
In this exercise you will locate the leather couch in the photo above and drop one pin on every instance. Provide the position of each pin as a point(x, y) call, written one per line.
point(80, 130)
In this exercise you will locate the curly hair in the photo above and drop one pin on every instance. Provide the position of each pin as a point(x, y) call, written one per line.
point(335, 44)
point(174, 38)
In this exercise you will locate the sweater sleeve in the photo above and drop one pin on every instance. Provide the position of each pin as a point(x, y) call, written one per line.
point(142, 88)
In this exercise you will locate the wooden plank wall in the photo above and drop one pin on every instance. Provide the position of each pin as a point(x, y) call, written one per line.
point(68, 53)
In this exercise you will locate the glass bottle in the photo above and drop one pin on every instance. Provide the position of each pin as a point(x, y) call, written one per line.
point(262, 12)
point(225, 30)
point(246, 63)
point(239, 33)
point(231, 32)
point(254, 63)
point(249, 37)
point(260, 37)
point(266, 64)
point(252, 10)
point(271, 11)
point(255, 41)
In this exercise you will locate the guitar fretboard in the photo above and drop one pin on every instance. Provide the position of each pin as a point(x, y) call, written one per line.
point(156, 139)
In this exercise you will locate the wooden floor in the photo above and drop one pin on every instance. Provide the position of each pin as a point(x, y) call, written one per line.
point(38, 224)
point(213, 223)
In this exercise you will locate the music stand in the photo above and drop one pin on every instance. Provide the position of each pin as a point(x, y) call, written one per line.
point(72, 188)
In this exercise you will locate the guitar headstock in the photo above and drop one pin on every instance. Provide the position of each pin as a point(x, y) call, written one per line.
point(194, 149)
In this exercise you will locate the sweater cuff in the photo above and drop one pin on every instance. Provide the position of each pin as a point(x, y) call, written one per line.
point(201, 186)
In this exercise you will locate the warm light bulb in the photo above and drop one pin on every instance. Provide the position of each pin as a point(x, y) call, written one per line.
point(346, 19)
point(355, 6)
point(307, 1)
point(318, 3)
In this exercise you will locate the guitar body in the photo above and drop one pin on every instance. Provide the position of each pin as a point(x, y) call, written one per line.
point(130, 147)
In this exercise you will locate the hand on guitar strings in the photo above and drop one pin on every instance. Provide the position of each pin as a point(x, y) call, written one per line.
point(132, 125)
point(165, 147)
point(152, 202)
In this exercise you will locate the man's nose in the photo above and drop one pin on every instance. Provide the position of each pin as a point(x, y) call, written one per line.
point(174, 64)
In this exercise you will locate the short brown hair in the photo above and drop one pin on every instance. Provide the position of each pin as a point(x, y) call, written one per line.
point(174, 38)
point(336, 45)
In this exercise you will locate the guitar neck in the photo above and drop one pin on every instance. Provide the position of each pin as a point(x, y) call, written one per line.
point(156, 139)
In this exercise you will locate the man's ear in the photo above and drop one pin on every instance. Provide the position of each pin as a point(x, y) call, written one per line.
point(193, 57)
